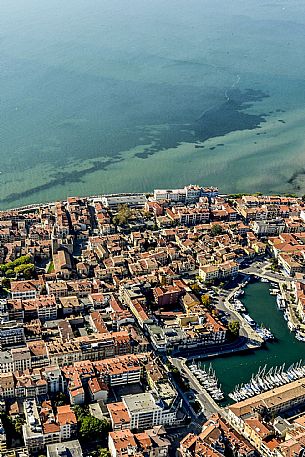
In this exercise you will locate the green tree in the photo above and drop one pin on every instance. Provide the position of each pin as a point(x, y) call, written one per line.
point(6, 283)
point(274, 264)
point(18, 422)
point(51, 267)
point(26, 270)
point(101, 452)
point(13, 428)
point(234, 327)
point(235, 195)
point(81, 411)
point(174, 370)
point(60, 399)
point(206, 300)
point(195, 287)
point(22, 260)
point(215, 312)
point(216, 230)
point(123, 215)
point(91, 427)
point(10, 273)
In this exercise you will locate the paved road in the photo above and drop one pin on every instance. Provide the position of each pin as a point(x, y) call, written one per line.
point(209, 406)
point(246, 330)
point(261, 270)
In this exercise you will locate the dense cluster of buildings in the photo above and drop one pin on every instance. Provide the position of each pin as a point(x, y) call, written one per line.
point(256, 426)
point(262, 420)
point(112, 290)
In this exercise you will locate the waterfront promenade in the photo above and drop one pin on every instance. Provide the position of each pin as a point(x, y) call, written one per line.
point(208, 405)
point(254, 340)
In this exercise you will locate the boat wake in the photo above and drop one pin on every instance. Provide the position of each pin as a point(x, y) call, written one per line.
point(234, 85)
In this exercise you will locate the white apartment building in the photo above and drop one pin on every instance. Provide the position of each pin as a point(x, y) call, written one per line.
point(54, 379)
point(224, 270)
point(24, 290)
point(145, 412)
point(268, 227)
point(136, 200)
point(189, 194)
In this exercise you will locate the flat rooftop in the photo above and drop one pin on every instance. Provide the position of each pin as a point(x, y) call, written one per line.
point(141, 403)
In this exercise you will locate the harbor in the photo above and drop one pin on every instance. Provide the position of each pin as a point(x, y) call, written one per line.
point(263, 309)
point(265, 380)
point(208, 379)
point(259, 328)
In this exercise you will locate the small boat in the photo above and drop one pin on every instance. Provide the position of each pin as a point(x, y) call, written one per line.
point(209, 381)
point(280, 302)
point(273, 291)
point(239, 293)
point(291, 326)
point(263, 381)
point(193, 366)
point(299, 336)
point(265, 333)
point(249, 320)
point(239, 306)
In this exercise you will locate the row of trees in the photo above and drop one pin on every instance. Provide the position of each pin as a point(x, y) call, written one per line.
point(233, 326)
point(19, 267)
point(24, 259)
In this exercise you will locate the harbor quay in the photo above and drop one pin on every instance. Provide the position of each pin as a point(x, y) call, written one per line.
point(140, 320)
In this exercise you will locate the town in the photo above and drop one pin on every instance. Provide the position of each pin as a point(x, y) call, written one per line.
point(108, 303)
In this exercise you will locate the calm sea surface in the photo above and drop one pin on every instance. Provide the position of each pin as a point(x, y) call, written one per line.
point(115, 95)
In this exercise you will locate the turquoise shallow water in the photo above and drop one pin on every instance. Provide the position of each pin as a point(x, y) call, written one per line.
point(109, 96)
point(286, 349)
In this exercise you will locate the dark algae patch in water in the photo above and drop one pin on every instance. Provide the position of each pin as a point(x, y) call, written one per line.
point(217, 121)
point(61, 178)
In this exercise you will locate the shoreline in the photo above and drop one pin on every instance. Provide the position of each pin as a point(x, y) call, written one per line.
point(99, 196)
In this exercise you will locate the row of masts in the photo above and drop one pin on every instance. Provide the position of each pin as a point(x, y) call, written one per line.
point(265, 380)
point(208, 379)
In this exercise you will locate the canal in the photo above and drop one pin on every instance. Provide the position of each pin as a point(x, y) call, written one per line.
point(262, 307)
